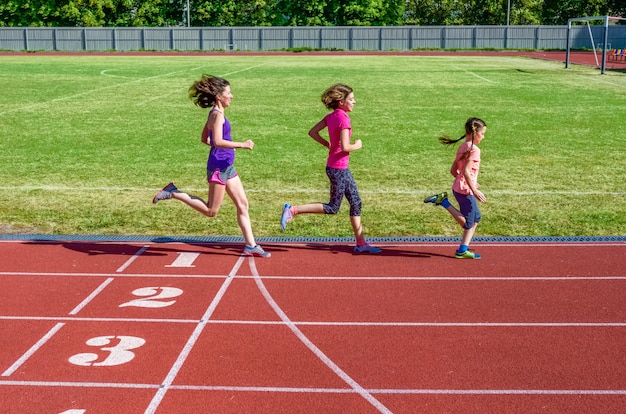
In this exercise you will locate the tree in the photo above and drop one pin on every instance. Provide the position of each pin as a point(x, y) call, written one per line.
point(301, 13)
point(15, 13)
point(428, 12)
point(559, 11)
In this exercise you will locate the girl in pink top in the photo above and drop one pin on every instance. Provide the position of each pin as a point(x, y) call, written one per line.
point(340, 99)
point(465, 187)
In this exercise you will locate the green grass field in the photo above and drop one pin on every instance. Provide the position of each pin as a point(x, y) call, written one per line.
point(87, 141)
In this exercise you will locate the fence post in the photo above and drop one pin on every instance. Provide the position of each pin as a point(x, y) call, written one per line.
point(350, 35)
point(25, 39)
point(443, 38)
point(319, 36)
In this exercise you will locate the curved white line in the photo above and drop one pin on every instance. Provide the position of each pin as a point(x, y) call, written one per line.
point(309, 344)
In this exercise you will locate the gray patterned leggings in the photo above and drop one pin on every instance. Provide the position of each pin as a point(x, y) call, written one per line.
point(342, 183)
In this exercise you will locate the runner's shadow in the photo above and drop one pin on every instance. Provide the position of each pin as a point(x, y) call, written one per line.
point(155, 250)
point(387, 251)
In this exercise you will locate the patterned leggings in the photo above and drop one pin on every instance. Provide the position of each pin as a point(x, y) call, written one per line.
point(342, 183)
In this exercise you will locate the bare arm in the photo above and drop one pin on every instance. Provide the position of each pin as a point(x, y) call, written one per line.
point(468, 179)
point(454, 169)
point(315, 133)
point(215, 124)
point(345, 142)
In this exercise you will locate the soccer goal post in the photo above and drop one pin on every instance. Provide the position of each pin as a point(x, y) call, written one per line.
point(605, 45)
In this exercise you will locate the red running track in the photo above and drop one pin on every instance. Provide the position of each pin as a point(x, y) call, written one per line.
point(117, 327)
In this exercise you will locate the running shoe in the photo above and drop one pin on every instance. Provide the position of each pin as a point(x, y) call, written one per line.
point(286, 216)
point(366, 248)
point(436, 199)
point(165, 193)
point(466, 255)
point(255, 251)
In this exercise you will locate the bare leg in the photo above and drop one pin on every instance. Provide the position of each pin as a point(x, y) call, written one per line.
point(313, 208)
point(356, 226)
point(468, 234)
point(457, 215)
point(236, 192)
point(210, 209)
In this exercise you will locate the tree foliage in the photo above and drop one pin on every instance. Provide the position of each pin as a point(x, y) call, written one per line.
point(136, 13)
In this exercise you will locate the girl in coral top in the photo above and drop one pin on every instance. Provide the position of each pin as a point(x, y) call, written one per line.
point(465, 187)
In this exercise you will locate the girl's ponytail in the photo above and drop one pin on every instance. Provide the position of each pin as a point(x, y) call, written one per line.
point(471, 126)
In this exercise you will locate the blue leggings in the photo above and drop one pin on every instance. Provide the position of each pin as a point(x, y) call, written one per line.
point(342, 183)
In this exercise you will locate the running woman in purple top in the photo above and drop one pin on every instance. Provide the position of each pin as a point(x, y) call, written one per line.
point(214, 92)
point(340, 99)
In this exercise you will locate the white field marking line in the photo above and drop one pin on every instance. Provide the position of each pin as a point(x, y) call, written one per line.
point(333, 323)
point(309, 344)
point(171, 375)
point(32, 350)
point(599, 79)
point(105, 73)
point(473, 74)
point(91, 91)
point(309, 190)
point(388, 391)
point(243, 70)
point(93, 294)
point(132, 259)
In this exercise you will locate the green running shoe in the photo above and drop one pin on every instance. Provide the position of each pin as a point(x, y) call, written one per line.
point(436, 199)
point(467, 255)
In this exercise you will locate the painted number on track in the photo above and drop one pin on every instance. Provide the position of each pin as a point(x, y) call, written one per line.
point(154, 297)
point(184, 259)
point(117, 349)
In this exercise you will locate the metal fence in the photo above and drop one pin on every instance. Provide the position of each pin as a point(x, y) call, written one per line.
point(278, 38)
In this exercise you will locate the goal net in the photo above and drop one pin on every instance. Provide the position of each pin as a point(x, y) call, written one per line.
point(582, 34)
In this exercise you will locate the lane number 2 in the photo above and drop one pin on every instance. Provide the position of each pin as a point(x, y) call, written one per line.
point(154, 297)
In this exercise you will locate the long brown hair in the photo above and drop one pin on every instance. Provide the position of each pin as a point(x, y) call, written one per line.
point(204, 91)
point(471, 126)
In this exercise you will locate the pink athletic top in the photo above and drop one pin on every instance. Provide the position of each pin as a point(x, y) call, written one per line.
point(335, 122)
point(460, 185)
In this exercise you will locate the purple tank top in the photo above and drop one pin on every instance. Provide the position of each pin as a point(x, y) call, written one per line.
point(220, 158)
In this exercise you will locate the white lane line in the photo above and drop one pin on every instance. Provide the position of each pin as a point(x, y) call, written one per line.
point(32, 350)
point(320, 277)
point(91, 296)
point(331, 323)
point(169, 379)
point(132, 259)
point(309, 344)
point(386, 391)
